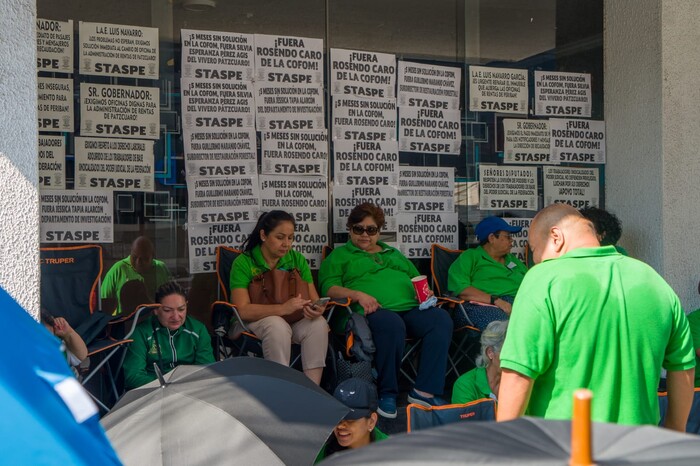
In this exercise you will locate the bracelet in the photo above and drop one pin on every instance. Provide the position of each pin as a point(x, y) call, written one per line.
point(493, 299)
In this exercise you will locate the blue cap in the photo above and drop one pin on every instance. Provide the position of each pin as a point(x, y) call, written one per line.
point(492, 225)
point(358, 395)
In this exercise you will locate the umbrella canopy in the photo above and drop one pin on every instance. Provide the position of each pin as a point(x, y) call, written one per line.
point(237, 411)
point(526, 441)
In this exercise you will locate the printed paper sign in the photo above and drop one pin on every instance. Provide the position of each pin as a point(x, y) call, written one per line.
point(426, 189)
point(224, 56)
point(76, 216)
point(429, 130)
point(280, 106)
point(113, 164)
point(346, 197)
point(220, 152)
point(118, 50)
point(367, 115)
point(507, 188)
point(204, 238)
point(581, 141)
point(429, 86)
point(502, 90)
point(520, 239)
point(55, 105)
point(119, 111)
point(223, 200)
point(417, 232)
point(52, 162)
point(309, 239)
point(562, 94)
point(526, 141)
point(217, 99)
point(295, 194)
point(578, 187)
point(366, 158)
point(288, 60)
point(54, 45)
point(295, 153)
point(363, 74)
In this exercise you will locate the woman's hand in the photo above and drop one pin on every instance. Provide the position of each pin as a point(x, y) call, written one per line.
point(504, 305)
point(368, 303)
point(294, 304)
point(61, 328)
point(313, 311)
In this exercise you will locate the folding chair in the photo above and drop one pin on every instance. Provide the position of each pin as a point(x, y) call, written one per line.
point(419, 417)
point(693, 425)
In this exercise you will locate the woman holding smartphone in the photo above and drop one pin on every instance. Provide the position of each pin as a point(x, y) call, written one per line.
point(297, 320)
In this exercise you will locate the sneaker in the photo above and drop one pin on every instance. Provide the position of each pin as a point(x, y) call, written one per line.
point(387, 407)
point(414, 397)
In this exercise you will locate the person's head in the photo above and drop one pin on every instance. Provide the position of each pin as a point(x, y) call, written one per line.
point(274, 232)
point(142, 252)
point(607, 225)
point(495, 235)
point(492, 339)
point(355, 430)
point(47, 319)
point(558, 229)
point(173, 305)
point(364, 223)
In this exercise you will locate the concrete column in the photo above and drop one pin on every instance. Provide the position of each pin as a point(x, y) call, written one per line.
point(652, 113)
point(19, 192)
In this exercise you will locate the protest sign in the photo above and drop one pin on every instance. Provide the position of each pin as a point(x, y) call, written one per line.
point(223, 200)
point(562, 94)
point(76, 216)
point(119, 111)
point(203, 239)
point(285, 107)
point(295, 153)
point(113, 164)
point(578, 187)
point(426, 189)
point(507, 188)
point(346, 197)
point(417, 232)
point(363, 74)
point(581, 141)
point(223, 56)
point(429, 130)
point(220, 152)
point(502, 90)
point(519, 239)
point(295, 194)
point(366, 158)
point(288, 60)
point(429, 86)
point(55, 105)
point(526, 141)
point(309, 239)
point(217, 99)
point(52, 162)
point(118, 50)
point(367, 115)
point(54, 45)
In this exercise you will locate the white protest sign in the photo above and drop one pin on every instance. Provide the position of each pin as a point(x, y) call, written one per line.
point(295, 153)
point(54, 45)
point(366, 158)
point(511, 188)
point(288, 60)
point(502, 90)
point(429, 130)
point(309, 239)
point(222, 200)
point(367, 115)
point(417, 232)
point(52, 162)
point(118, 50)
point(76, 216)
point(204, 238)
point(519, 239)
point(426, 189)
point(220, 152)
point(526, 141)
point(119, 111)
point(429, 86)
point(280, 106)
point(295, 194)
point(363, 74)
point(55, 104)
point(562, 94)
point(113, 164)
point(220, 99)
point(581, 141)
point(578, 187)
point(346, 197)
point(225, 56)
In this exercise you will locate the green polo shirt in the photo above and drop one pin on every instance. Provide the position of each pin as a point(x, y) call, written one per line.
point(122, 272)
point(474, 267)
point(249, 265)
point(472, 386)
point(596, 319)
point(694, 322)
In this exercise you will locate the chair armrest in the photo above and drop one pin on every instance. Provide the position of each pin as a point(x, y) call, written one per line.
point(226, 307)
point(337, 302)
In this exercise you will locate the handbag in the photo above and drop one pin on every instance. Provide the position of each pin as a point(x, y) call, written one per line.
point(277, 287)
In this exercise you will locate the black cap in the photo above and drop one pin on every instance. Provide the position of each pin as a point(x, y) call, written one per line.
point(358, 395)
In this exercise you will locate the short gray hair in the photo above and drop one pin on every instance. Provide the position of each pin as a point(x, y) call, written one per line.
point(493, 336)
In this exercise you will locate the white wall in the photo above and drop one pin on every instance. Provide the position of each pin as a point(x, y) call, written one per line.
point(19, 200)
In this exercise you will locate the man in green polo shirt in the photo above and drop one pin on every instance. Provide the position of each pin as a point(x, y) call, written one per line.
point(588, 317)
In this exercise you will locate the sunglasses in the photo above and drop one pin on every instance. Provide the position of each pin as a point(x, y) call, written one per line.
point(359, 230)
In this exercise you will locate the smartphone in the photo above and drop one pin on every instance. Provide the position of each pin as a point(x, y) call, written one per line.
point(321, 302)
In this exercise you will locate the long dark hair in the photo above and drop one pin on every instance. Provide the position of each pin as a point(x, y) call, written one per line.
point(267, 222)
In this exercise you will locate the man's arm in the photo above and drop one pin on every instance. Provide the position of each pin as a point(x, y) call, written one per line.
point(680, 398)
point(514, 395)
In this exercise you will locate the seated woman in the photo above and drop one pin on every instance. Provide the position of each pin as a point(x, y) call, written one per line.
point(268, 247)
point(377, 278)
point(358, 427)
point(488, 274)
point(484, 380)
point(169, 338)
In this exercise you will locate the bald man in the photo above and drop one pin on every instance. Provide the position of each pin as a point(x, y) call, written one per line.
point(588, 317)
point(139, 265)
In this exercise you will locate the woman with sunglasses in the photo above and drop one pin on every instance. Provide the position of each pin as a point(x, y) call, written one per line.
point(377, 278)
point(169, 338)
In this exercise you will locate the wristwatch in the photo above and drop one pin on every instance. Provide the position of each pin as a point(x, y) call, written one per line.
point(493, 299)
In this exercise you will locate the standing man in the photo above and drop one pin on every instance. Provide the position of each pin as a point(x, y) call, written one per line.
point(139, 265)
point(589, 317)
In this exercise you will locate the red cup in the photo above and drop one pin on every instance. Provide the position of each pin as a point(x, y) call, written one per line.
point(420, 283)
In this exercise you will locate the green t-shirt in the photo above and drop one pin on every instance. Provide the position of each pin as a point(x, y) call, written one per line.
point(474, 267)
point(122, 272)
point(472, 386)
point(694, 322)
point(596, 319)
point(247, 266)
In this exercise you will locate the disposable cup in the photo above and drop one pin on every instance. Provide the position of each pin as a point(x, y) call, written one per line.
point(420, 283)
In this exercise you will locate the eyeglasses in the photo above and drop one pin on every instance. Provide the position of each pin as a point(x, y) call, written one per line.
point(359, 230)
